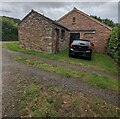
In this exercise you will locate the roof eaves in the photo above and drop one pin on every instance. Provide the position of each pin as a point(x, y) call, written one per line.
point(53, 22)
point(80, 12)
point(65, 15)
point(26, 16)
point(61, 26)
point(94, 19)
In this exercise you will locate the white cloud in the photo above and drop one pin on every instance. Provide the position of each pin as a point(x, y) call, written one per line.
point(55, 10)
point(61, 0)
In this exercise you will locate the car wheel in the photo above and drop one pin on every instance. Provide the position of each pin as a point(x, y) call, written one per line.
point(70, 55)
point(89, 58)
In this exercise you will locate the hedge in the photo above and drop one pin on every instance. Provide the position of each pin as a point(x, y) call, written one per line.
point(113, 48)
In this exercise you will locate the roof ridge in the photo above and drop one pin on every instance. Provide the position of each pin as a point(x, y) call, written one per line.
point(54, 22)
point(65, 15)
point(81, 12)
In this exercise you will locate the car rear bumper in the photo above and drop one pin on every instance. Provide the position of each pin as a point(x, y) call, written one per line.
point(86, 54)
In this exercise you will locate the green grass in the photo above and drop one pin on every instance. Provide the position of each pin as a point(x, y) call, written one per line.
point(93, 79)
point(38, 101)
point(99, 61)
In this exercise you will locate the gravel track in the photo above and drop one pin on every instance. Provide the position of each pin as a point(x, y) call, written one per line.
point(13, 71)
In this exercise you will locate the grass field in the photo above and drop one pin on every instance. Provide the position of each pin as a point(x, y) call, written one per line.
point(38, 101)
point(99, 61)
point(93, 79)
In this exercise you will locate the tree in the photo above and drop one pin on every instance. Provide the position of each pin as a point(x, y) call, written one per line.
point(9, 28)
point(105, 21)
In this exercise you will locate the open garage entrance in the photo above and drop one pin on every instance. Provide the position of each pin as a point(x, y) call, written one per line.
point(74, 36)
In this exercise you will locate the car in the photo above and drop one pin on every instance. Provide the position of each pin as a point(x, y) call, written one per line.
point(81, 47)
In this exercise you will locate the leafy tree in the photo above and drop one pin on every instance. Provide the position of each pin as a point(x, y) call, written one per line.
point(9, 28)
point(105, 21)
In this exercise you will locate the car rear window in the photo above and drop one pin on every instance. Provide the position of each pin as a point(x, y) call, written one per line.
point(81, 42)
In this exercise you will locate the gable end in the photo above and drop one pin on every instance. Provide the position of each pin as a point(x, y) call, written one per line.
point(84, 14)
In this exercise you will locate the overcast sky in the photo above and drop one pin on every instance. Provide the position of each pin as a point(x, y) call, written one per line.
point(55, 10)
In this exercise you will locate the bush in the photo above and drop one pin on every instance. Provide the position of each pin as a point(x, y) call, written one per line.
point(114, 43)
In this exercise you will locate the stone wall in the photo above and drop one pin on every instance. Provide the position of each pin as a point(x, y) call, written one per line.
point(63, 43)
point(35, 33)
point(99, 38)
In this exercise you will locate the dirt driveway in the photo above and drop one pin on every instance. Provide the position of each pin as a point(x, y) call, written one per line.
point(13, 71)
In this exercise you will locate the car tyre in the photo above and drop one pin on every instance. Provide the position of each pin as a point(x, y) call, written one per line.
point(89, 58)
point(70, 55)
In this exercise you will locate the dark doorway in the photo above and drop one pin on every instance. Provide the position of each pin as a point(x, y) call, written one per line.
point(57, 41)
point(74, 36)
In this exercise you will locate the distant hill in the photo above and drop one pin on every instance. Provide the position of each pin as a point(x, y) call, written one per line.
point(9, 28)
point(14, 19)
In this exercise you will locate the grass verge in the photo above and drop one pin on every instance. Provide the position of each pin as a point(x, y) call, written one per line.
point(35, 100)
point(93, 79)
point(99, 61)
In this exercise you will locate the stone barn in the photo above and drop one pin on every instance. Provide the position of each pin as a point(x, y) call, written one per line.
point(83, 26)
point(37, 32)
